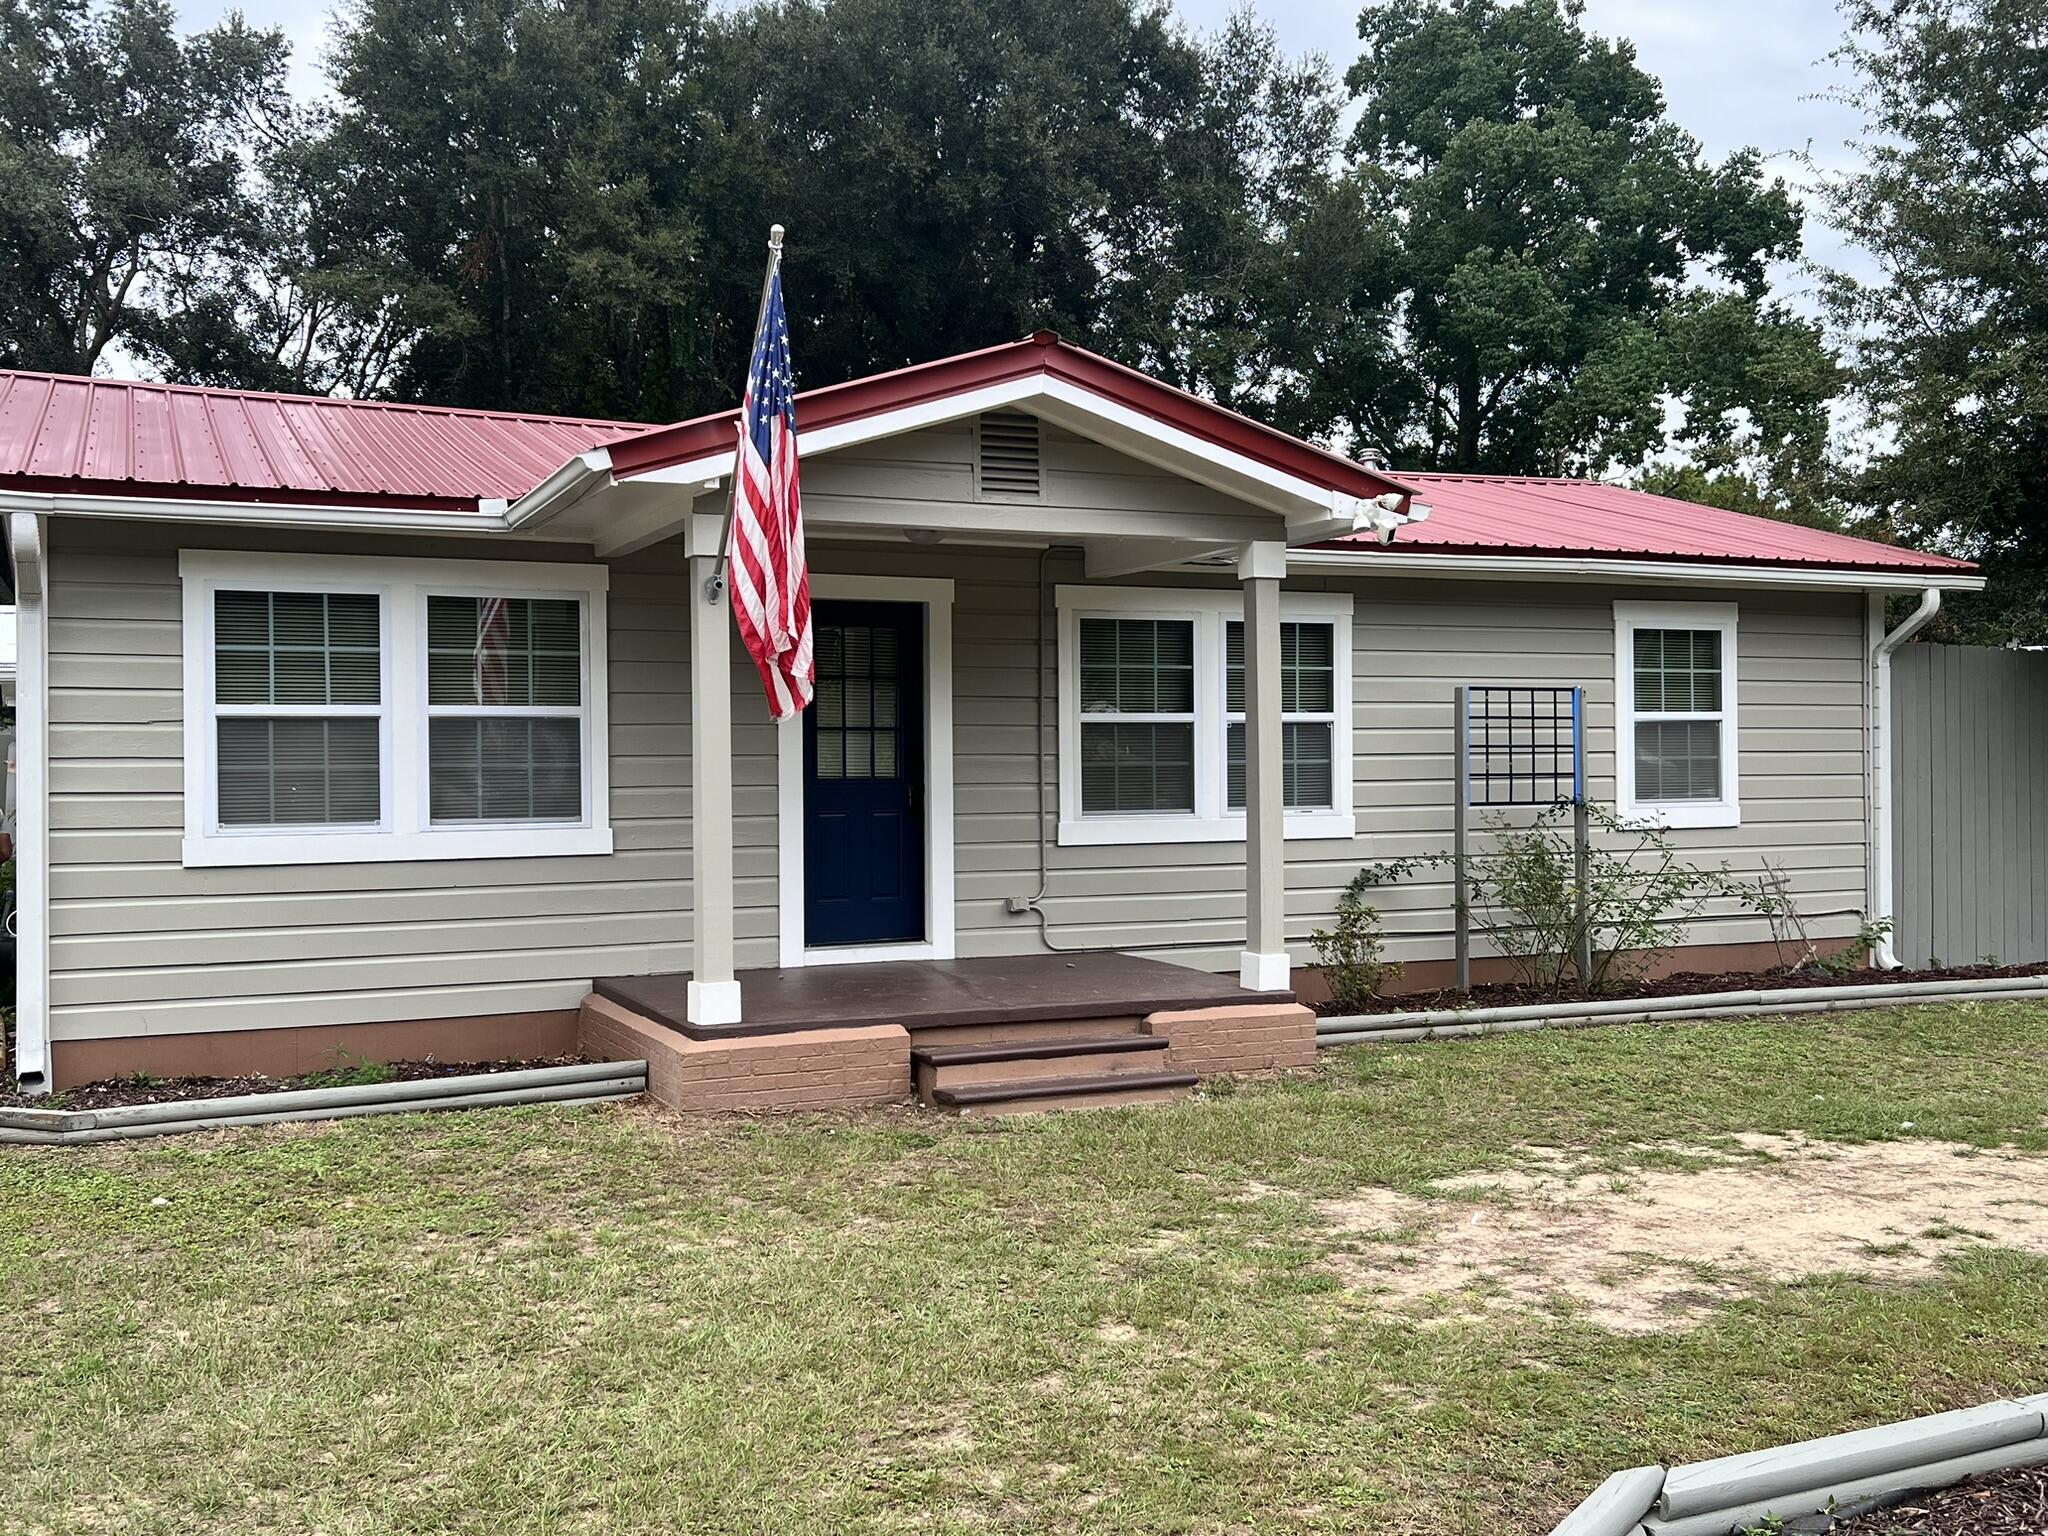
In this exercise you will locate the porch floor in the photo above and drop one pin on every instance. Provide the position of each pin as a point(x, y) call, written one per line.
point(930, 994)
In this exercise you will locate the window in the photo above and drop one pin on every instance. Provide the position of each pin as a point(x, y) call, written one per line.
point(504, 709)
point(344, 709)
point(298, 708)
point(1137, 716)
point(1308, 712)
point(1676, 759)
point(1152, 715)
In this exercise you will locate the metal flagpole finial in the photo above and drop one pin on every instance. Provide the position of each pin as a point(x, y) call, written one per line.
point(775, 238)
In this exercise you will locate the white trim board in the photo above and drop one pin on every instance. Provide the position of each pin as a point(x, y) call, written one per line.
point(1720, 617)
point(935, 595)
point(1211, 821)
point(404, 830)
point(1399, 563)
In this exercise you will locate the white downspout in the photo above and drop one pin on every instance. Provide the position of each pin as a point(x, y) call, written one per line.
point(25, 536)
point(1882, 646)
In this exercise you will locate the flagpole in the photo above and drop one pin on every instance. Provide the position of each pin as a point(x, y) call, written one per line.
point(714, 587)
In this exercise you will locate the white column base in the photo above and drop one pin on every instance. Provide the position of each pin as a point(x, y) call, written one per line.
point(1262, 973)
point(713, 1002)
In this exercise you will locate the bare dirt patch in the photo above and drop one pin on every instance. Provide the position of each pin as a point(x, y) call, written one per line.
point(1656, 1248)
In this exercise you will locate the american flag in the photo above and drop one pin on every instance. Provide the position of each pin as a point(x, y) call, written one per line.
point(771, 583)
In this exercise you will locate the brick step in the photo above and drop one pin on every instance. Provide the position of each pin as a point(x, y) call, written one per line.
point(1019, 1032)
point(965, 1066)
point(1043, 1093)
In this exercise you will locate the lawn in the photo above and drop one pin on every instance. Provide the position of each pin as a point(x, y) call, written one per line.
point(541, 1320)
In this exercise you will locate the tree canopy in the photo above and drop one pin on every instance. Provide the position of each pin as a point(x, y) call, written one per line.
point(1951, 342)
point(1514, 261)
point(1576, 285)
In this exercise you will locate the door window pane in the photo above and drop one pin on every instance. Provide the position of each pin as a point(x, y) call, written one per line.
point(857, 701)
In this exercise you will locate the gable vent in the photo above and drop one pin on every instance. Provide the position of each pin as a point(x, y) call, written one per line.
point(1006, 464)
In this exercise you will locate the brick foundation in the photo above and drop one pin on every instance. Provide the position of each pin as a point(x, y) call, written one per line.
point(1262, 1037)
point(802, 1069)
point(1438, 975)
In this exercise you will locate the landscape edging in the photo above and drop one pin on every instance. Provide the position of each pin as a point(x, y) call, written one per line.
point(578, 1082)
point(1832, 1475)
point(1448, 1023)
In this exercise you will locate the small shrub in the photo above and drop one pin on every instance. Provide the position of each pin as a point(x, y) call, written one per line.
point(1850, 957)
point(360, 1073)
point(1523, 892)
point(1350, 952)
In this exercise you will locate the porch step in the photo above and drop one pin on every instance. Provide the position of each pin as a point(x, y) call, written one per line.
point(1040, 1093)
point(971, 1066)
point(1024, 1031)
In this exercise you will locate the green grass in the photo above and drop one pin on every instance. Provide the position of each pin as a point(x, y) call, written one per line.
point(542, 1320)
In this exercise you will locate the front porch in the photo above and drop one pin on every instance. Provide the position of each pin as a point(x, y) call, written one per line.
point(986, 1035)
point(993, 992)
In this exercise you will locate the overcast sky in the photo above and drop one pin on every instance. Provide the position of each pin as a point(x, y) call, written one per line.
point(1735, 72)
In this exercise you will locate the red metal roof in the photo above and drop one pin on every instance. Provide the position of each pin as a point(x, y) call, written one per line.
point(1040, 353)
point(122, 438)
point(116, 437)
point(1521, 514)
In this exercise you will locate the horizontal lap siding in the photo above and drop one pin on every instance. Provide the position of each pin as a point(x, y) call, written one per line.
point(141, 945)
point(1801, 726)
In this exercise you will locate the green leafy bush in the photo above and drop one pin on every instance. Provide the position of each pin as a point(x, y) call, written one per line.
point(1523, 893)
point(1350, 951)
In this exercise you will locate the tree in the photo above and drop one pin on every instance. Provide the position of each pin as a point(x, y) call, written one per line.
point(954, 175)
point(511, 204)
point(127, 216)
point(1574, 286)
point(1951, 342)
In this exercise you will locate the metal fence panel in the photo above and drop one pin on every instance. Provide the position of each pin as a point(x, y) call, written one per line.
point(1970, 808)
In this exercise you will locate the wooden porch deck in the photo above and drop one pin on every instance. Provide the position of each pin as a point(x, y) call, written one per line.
point(933, 994)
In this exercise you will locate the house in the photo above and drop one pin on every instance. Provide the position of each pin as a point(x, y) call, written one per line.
point(397, 730)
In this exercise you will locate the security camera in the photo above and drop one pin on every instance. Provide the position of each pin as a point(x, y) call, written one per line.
point(1418, 511)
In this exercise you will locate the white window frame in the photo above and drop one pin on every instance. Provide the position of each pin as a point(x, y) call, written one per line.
point(1628, 618)
point(1287, 716)
point(404, 830)
point(1211, 820)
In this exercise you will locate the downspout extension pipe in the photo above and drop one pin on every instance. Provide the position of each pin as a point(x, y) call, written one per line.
point(1885, 957)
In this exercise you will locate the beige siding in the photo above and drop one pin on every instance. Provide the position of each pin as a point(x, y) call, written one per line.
point(142, 945)
point(1801, 731)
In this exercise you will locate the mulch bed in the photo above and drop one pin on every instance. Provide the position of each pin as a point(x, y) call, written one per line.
point(116, 1092)
point(1508, 994)
point(1996, 1504)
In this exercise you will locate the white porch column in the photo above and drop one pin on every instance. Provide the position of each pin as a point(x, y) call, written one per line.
point(714, 994)
point(1264, 965)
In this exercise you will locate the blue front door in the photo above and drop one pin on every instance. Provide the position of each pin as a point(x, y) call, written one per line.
point(864, 776)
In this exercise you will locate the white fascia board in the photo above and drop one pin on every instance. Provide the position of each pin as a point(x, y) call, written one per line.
point(715, 467)
point(1080, 410)
point(253, 514)
point(1583, 568)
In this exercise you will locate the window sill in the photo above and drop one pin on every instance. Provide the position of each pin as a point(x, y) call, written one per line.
point(1113, 831)
point(260, 848)
point(1677, 817)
